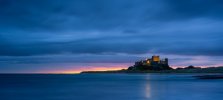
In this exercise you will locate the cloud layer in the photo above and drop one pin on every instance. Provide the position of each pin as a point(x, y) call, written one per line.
point(109, 29)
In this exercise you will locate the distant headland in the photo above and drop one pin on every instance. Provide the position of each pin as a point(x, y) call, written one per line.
point(157, 65)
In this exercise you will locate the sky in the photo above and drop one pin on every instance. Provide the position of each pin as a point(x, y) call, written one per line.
point(67, 36)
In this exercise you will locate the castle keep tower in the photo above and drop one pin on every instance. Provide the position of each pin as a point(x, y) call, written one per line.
point(155, 58)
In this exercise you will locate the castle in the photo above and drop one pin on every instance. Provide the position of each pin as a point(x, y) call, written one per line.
point(154, 63)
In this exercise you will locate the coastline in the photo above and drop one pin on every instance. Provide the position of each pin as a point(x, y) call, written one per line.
point(213, 70)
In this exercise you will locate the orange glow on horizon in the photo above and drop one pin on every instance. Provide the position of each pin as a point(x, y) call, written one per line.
point(76, 71)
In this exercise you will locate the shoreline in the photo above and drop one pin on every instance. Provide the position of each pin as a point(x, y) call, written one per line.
point(211, 70)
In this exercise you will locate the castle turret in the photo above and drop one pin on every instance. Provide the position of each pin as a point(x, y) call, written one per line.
point(166, 61)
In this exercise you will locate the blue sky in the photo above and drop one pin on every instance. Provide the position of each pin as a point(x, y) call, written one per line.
point(46, 35)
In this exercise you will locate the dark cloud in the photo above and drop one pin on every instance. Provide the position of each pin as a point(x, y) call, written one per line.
point(197, 8)
point(103, 27)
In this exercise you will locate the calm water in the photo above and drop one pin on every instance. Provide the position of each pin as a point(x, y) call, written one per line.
point(109, 87)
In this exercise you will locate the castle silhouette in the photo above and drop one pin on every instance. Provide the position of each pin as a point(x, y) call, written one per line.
point(154, 63)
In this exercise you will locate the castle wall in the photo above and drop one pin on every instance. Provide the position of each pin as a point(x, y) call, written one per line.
point(152, 64)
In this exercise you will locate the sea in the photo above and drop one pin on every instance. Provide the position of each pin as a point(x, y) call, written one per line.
point(108, 87)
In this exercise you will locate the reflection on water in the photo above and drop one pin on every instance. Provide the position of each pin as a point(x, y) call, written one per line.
point(181, 87)
point(147, 88)
point(108, 87)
